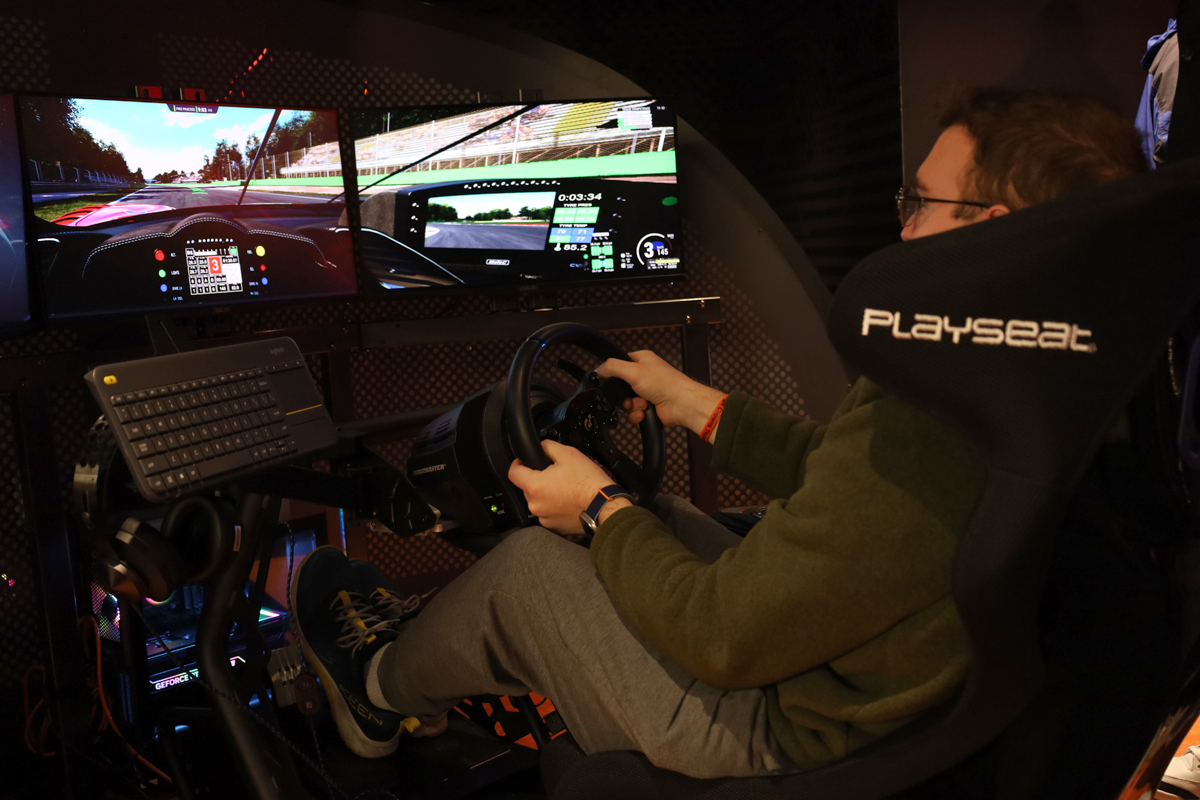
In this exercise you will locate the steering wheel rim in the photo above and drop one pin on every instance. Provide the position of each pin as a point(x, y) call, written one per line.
point(523, 434)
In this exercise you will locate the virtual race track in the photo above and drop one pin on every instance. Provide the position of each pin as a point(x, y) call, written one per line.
point(192, 195)
point(485, 237)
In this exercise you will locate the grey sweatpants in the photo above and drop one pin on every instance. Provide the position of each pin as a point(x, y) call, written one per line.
point(532, 615)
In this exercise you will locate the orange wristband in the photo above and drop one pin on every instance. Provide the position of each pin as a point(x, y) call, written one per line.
point(713, 419)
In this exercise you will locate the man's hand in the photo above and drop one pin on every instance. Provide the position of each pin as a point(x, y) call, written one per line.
point(558, 493)
point(678, 399)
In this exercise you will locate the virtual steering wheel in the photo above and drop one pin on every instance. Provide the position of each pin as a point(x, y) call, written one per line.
point(586, 420)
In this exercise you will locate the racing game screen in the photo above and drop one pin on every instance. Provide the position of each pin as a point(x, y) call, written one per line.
point(14, 277)
point(507, 195)
point(151, 206)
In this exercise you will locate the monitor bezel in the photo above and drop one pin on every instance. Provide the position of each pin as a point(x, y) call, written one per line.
point(35, 310)
point(369, 287)
point(39, 294)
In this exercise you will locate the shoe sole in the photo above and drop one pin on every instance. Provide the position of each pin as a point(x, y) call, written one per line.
point(343, 717)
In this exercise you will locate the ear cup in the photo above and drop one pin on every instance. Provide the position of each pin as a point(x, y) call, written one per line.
point(201, 530)
point(148, 554)
point(116, 578)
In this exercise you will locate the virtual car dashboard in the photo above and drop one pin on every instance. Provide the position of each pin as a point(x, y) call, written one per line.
point(163, 262)
point(591, 228)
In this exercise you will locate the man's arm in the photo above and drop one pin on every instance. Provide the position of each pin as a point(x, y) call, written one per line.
point(864, 544)
point(765, 448)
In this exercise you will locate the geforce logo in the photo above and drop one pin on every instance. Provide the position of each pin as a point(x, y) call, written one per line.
point(1013, 333)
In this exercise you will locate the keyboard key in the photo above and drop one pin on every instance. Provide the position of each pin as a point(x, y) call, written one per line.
point(279, 430)
point(208, 451)
point(160, 444)
point(143, 448)
point(173, 461)
point(257, 436)
point(272, 451)
point(159, 407)
point(239, 443)
point(276, 415)
point(226, 463)
point(152, 465)
point(133, 431)
point(123, 415)
point(195, 418)
point(152, 393)
point(197, 454)
point(227, 443)
point(181, 477)
point(160, 426)
point(172, 405)
point(169, 481)
point(172, 423)
point(217, 447)
point(135, 413)
point(173, 441)
point(142, 397)
point(185, 456)
point(226, 427)
point(268, 399)
point(193, 474)
point(156, 483)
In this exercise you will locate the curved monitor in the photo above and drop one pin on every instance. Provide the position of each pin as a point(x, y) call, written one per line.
point(164, 207)
point(489, 197)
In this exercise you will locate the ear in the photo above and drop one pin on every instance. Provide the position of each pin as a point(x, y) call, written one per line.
point(998, 210)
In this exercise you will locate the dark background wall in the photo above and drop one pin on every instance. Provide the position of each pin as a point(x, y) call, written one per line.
point(1080, 45)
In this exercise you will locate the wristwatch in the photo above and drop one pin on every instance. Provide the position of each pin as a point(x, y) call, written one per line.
point(587, 517)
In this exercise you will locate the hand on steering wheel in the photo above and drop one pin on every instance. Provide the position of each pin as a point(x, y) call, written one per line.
point(559, 492)
point(678, 399)
point(584, 421)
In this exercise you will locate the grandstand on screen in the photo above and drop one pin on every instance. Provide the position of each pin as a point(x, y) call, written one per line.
point(548, 132)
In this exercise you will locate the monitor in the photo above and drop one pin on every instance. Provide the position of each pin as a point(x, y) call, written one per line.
point(169, 207)
point(14, 277)
point(499, 196)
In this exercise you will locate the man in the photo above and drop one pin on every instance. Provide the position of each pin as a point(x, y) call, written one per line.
point(831, 624)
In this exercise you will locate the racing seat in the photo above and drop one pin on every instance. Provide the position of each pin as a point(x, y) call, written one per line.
point(1065, 578)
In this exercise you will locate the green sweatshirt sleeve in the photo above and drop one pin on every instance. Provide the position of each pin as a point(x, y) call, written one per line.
point(866, 541)
point(767, 448)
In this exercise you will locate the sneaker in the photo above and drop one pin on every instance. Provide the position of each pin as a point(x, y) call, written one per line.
point(1182, 778)
point(339, 631)
point(378, 589)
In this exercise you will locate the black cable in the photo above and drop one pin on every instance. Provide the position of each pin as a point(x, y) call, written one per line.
point(312, 727)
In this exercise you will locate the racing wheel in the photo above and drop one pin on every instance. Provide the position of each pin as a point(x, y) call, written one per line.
point(587, 419)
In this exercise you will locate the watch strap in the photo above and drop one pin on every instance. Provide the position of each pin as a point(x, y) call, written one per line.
point(610, 492)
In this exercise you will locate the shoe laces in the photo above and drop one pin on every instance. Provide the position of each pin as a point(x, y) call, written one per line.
point(359, 622)
point(395, 609)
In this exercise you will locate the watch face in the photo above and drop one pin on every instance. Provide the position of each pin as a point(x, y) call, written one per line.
point(589, 524)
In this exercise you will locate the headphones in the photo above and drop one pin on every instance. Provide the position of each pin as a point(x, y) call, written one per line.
point(132, 559)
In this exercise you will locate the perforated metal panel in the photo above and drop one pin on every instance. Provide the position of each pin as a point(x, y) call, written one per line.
point(21, 640)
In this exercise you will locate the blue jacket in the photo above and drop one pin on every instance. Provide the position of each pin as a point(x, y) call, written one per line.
point(1158, 97)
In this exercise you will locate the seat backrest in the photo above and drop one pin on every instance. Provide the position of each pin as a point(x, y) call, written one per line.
point(1030, 334)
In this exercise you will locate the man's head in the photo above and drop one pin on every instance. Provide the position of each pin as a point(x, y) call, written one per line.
point(1005, 149)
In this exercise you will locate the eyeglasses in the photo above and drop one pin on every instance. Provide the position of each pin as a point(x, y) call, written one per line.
point(909, 203)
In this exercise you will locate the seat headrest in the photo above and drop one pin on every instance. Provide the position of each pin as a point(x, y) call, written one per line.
point(1031, 331)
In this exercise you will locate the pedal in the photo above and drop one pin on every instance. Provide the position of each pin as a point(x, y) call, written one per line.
point(285, 666)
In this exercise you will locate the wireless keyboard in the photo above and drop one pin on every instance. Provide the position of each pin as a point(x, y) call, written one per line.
point(191, 421)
